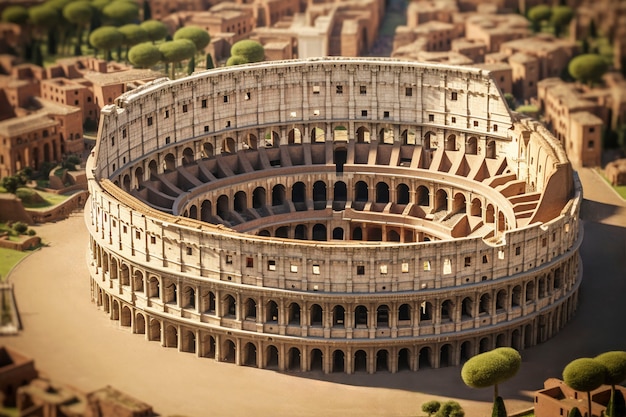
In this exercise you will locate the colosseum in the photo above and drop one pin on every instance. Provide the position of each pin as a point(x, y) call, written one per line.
point(336, 214)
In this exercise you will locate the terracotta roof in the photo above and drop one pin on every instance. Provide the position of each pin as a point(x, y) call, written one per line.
point(25, 124)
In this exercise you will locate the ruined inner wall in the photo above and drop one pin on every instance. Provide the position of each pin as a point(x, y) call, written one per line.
point(513, 281)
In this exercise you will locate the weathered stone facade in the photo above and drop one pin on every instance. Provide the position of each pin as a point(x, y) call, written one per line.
point(337, 214)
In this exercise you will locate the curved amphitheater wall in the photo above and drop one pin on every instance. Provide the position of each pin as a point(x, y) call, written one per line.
point(467, 217)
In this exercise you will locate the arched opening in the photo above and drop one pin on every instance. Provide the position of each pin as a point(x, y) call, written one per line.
point(301, 232)
point(363, 135)
point(278, 195)
point(223, 207)
point(208, 346)
point(319, 195)
point(316, 362)
point(485, 304)
point(393, 236)
point(515, 340)
point(423, 196)
point(466, 351)
point(205, 211)
point(155, 330)
point(426, 311)
point(169, 163)
point(140, 324)
point(447, 311)
point(189, 298)
point(530, 292)
point(249, 354)
point(126, 317)
point(476, 209)
point(193, 212)
point(171, 337)
point(319, 232)
point(404, 360)
point(360, 361)
point(501, 301)
point(361, 193)
point(357, 233)
point(340, 191)
point(153, 289)
point(293, 314)
point(258, 198)
point(445, 356)
point(283, 232)
point(409, 137)
point(528, 336)
point(471, 146)
point(228, 351)
point(240, 202)
point(382, 192)
point(207, 149)
point(271, 357)
point(138, 177)
point(402, 194)
point(451, 143)
point(271, 312)
point(317, 135)
point(298, 196)
point(484, 345)
point(385, 135)
point(315, 315)
point(491, 149)
point(338, 361)
point(466, 309)
point(382, 316)
point(207, 301)
point(404, 315)
point(501, 340)
point(428, 138)
point(171, 294)
point(441, 200)
point(375, 234)
point(126, 182)
point(382, 360)
point(294, 136)
point(516, 296)
point(339, 316)
point(252, 141)
point(229, 146)
point(424, 358)
point(294, 359)
point(230, 307)
point(188, 342)
point(489, 214)
point(360, 316)
point(458, 204)
point(188, 156)
point(152, 168)
point(249, 310)
point(338, 233)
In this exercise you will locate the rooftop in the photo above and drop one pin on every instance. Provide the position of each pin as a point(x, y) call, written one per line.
point(25, 124)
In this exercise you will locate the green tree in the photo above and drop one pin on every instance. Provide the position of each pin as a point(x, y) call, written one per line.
point(43, 18)
point(15, 14)
point(236, 60)
point(79, 13)
point(106, 38)
point(431, 407)
point(510, 100)
point(615, 364)
point(587, 68)
point(252, 51)
point(560, 18)
point(584, 374)
point(121, 12)
point(450, 409)
point(174, 52)
point(539, 14)
point(133, 35)
point(209, 61)
point(12, 182)
point(144, 55)
point(156, 30)
point(491, 368)
point(498, 408)
point(198, 36)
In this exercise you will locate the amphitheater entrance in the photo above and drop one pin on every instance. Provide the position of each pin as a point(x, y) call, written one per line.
point(360, 361)
point(404, 360)
point(271, 357)
point(293, 359)
point(382, 361)
point(424, 358)
point(340, 158)
point(338, 361)
point(316, 360)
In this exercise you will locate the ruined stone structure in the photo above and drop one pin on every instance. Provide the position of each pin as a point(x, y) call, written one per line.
point(345, 215)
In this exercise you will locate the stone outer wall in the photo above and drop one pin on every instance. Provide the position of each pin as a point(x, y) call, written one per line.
point(338, 306)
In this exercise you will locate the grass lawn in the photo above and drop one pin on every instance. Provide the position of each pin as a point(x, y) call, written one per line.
point(8, 259)
point(50, 199)
point(621, 189)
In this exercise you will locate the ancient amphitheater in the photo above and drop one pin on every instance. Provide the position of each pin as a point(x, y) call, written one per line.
point(344, 215)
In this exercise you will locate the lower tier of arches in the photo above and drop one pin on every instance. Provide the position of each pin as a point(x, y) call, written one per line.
point(332, 356)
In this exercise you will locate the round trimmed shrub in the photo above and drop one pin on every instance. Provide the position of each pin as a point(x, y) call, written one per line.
point(584, 374)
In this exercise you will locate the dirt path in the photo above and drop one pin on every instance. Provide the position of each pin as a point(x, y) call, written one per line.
point(75, 343)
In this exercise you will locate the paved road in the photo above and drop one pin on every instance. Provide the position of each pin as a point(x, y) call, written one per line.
point(75, 343)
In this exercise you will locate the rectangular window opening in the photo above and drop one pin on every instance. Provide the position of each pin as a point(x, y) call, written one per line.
point(185, 108)
point(229, 259)
point(316, 89)
point(363, 113)
point(405, 267)
point(454, 96)
point(360, 269)
point(249, 262)
point(204, 104)
point(408, 91)
point(468, 261)
point(271, 265)
point(363, 89)
point(431, 117)
point(316, 269)
point(339, 89)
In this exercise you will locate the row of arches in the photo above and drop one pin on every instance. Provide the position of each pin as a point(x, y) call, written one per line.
point(420, 313)
point(411, 356)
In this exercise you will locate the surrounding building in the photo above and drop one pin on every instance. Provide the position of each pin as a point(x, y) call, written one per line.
point(16, 370)
point(346, 215)
point(557, 399)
